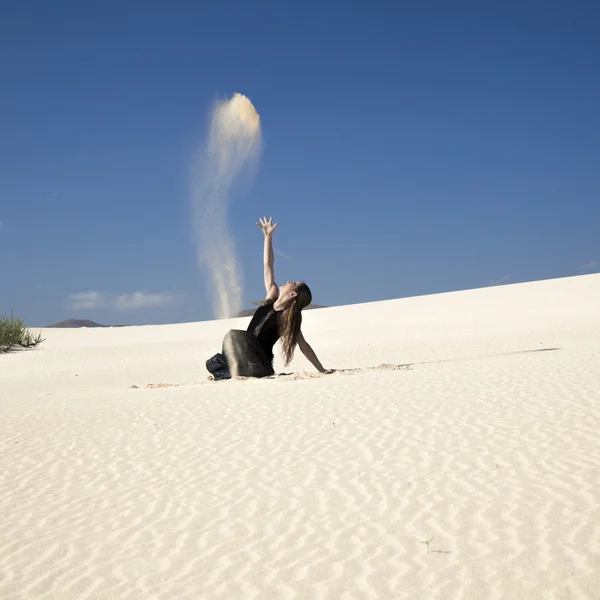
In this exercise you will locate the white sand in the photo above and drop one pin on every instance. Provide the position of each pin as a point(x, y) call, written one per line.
point(313, 487)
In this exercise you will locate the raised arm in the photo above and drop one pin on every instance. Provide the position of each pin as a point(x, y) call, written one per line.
point(269, 260)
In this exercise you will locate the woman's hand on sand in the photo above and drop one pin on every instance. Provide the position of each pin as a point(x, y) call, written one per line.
point(267, 225)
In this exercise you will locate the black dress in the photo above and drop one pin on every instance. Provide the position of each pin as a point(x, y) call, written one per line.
point(265, 327)
point(250, 353)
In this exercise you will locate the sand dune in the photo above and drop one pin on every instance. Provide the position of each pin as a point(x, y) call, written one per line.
point(455, 455)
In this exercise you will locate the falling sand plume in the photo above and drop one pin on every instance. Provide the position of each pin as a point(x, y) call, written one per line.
point(233, 145)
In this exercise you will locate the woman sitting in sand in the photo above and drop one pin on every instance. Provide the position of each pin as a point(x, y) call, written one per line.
point(250, 353)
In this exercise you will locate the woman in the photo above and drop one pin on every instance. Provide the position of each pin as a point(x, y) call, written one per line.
point(250, 353)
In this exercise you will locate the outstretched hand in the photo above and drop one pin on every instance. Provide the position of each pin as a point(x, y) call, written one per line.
point(267, 226)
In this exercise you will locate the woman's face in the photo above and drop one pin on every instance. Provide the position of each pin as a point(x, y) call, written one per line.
point(288, 287)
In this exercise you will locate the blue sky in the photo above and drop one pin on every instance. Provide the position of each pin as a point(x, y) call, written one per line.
point(409, 148)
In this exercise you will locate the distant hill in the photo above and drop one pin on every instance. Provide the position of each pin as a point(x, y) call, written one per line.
point(250, 311)
point(76, 323)
point(73, 323)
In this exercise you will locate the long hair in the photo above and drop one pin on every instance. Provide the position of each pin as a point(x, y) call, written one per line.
point(291, 320)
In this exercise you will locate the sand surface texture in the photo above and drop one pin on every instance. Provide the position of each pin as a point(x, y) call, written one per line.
point(458, 456)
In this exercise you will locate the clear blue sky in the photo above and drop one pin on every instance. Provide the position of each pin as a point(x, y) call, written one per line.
point(409, 148)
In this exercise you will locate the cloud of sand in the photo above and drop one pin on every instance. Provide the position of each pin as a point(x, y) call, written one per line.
point(233, 145)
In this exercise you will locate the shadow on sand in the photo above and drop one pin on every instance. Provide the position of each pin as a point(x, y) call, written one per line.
point(382, 367)
point(408, 366)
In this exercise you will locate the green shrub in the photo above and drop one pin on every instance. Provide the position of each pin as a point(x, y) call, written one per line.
point(13, 333)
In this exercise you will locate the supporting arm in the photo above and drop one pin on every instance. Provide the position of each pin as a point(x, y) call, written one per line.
point(307, 350)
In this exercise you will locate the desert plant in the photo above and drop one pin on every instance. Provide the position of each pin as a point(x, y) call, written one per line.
point(14, 333)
